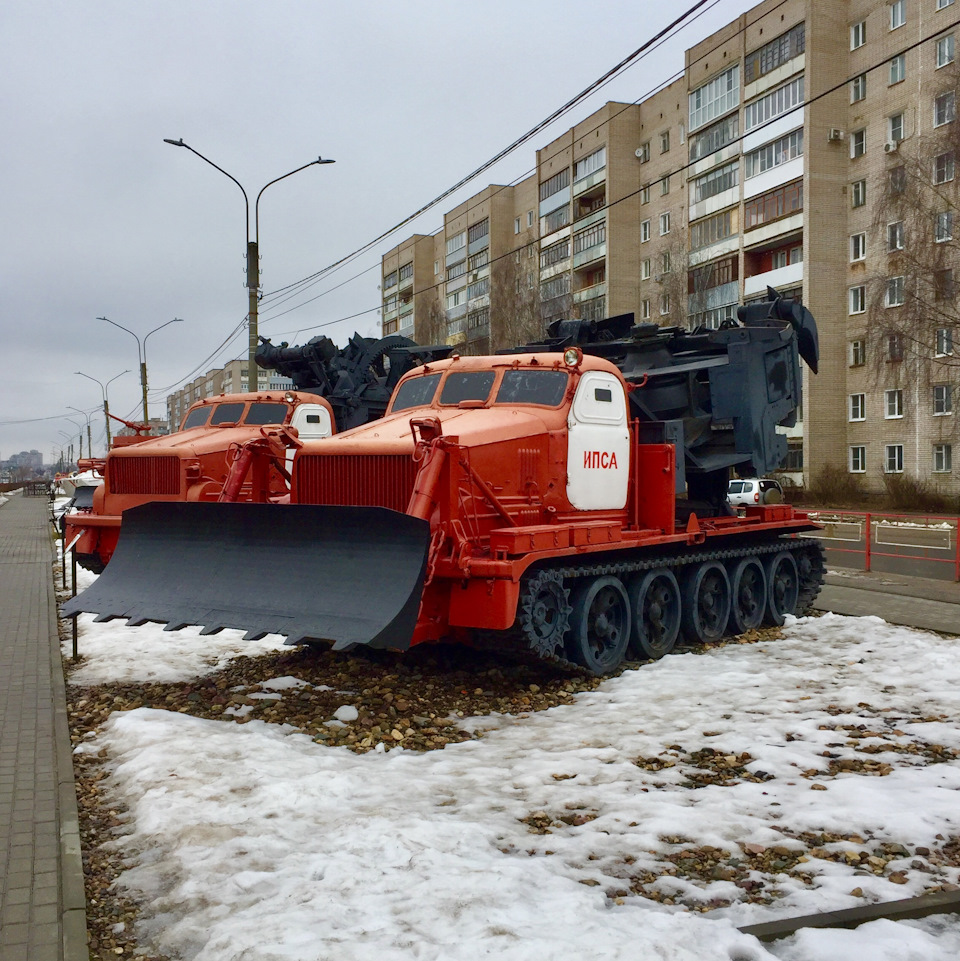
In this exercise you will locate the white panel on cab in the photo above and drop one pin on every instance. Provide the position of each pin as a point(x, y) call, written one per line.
point(598, 444)
point(312, 421)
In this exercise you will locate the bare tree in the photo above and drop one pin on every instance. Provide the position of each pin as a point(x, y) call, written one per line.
point(431, 324)
point(515, 307)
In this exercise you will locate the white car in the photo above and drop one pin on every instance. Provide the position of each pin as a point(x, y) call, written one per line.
point(754, 490)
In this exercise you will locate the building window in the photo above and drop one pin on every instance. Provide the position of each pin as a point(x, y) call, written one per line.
point(897, 179)
point(644, 231)
point(858, 353)
point(778, 260)
point(516, 225)
point(478, 231)
point(944, 51)
point(942, 458)
point(898, 14)
point(665, 186)
point(858, 460)
point(645, 194)
point(774, 104)
point(858, 300)
point(390, 280)
point(712, 100)
point(555, 287)
point(406, 272)
point(594, 234)
point(774, 154)
point(711, 229)
point(480, 260)
point(943, 228)
point(779, 50)
point(713, 138)
point(858, 34)
point(893, 404)
point(457, 243)
point(895, 236)
point(944, 342)
point(943, 109)
point(665, 262)
point(664, 304)
point(436, 268)
point(456, 270)
point(479, 289)
point(943, 168)
point(715, 182)
point(858, 88)
point(457, 298)
point(664, 223)
point(893, 459)
point(858, 247)
point(894, 295)
point(943, 286)
point(781, 202)
point(894, 347)
point(555, 184)
point(644, 309)
point(943, 3)
point(858, 143)
point(643, 152)
point(857, 407)
point(645, 269)
point(942, 400)
point(665, 141)
point(858, 193)
point(529, 218)
point(895, 127)
point(590, 164)
point(556, 219)
point(555, 253)
point(898, 69)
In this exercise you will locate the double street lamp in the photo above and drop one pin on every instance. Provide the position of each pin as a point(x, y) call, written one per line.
point(83, 413)
point(142, 355)
point(103, 391)
point(253, 262)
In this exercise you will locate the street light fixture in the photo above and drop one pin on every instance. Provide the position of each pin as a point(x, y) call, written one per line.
point(103, 391)
point(253, 256)
point(83, 413)
point(142, 355)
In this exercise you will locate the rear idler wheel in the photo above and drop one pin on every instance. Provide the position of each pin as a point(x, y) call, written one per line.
point(599, 625)
point(655, 612)
point(748, 591)
point(705, 603)
point(545, 612)
point(783, 587)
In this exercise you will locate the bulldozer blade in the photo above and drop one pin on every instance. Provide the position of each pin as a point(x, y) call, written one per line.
point(347, 575)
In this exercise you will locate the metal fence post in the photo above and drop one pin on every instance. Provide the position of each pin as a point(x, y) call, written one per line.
point(867, 543)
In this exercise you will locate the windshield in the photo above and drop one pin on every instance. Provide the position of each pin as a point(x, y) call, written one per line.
point(470, 385)
point(417, 392)
point(196, 418)
point(543, 387)
point(227, 414)
point(262, 413)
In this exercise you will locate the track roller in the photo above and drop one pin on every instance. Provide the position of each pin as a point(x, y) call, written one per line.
point(599, 624)
point(783, 587)
point(705, 603)
point(655, 612)
point(748, 592)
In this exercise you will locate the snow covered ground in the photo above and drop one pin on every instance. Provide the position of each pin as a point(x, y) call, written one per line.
point(812, 772)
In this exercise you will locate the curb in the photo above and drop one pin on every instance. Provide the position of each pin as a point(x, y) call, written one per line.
point(73, 900)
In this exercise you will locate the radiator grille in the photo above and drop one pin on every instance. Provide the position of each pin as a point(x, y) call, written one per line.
point(384, 480)
point(144, 475)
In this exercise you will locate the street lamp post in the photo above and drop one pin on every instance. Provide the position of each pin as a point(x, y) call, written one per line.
point(142, 355)
point(103, 391)
point(83, 413)
point(253, 256)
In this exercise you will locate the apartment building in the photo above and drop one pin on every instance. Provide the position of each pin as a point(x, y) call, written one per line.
point(809, 146)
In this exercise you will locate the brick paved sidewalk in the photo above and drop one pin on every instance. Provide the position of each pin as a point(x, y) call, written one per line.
point(42, 907)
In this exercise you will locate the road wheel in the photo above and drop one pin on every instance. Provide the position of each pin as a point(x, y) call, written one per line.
point(705, 607)
point(655, 612)
point(545, 612)
point(783, 587)
point(811, 567)
point(748, 591)
point(599, 624)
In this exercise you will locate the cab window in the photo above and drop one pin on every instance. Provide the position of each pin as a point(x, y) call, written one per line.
point(417, 392)
point(263, 413)
point(469, 385)
point(227, 414)
point(196, 418)
point(543, 387)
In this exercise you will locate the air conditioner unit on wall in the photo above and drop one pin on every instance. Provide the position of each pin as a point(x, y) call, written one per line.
point(890, 146)
point(835, 134)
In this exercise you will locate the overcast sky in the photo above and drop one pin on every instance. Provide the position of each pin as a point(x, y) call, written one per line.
point(101, 218)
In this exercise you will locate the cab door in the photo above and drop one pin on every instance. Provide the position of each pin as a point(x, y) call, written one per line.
point(598, 444)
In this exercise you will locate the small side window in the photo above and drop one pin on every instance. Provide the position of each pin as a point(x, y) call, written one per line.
point(603, 395)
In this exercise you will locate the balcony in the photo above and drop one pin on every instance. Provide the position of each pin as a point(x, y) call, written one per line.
point(589, 255)
point(590, 293)
point(590, 181)
point(789, 276)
